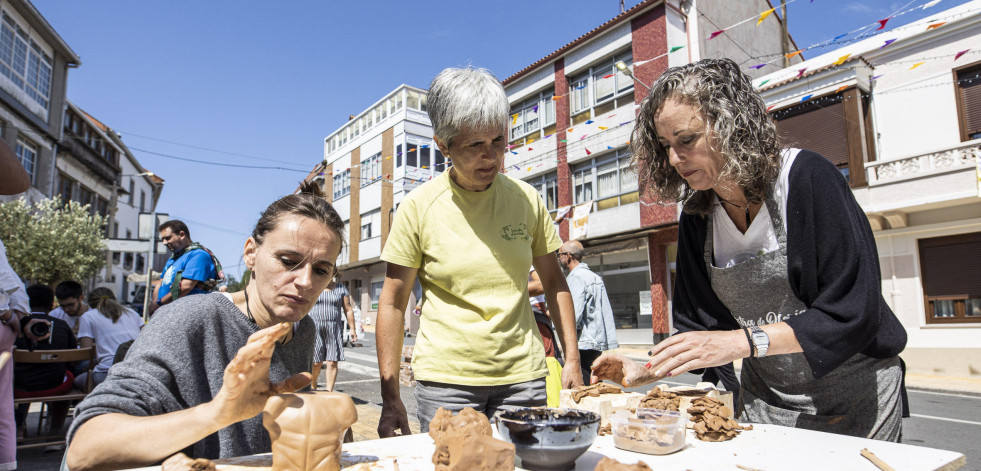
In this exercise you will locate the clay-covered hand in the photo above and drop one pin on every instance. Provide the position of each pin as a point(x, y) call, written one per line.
point(394, 420)
point(182, 462)
point(246, 383)
point(571, 375)
point(693, 350)
point(620, 370)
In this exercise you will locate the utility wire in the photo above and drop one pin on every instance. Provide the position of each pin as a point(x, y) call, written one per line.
point(216, 164)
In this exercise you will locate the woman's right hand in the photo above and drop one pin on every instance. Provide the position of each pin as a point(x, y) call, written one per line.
point(620, 370)
point(246, 382)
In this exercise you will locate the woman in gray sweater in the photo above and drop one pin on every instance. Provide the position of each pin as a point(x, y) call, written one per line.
point(199, 374)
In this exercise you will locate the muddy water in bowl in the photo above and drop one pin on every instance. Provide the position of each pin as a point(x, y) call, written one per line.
point(548, 439)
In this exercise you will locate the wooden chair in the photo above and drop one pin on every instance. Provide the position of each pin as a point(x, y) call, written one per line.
point(53, 356)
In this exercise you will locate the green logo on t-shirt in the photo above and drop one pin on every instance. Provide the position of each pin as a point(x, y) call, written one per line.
point(515, 232)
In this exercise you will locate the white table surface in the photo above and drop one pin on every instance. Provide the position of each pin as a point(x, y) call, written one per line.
point(766, 447)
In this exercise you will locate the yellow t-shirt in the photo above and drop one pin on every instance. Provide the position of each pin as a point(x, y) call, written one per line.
point(473, 250)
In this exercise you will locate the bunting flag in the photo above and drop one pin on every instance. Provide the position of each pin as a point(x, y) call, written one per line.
point(673, 49)
point(608, 76)
point(874, 77)
point(763, 83)
point(589, 122)
point(801, 72)
point(535, 109)
point(930, 4)
point(588, 152)
point(757, 66)
point(790, 55)
point(555, 98)
point(530, 148)
point(583, 136)
point(838, 37)
point(764, 15)
point(425, 146)
point(917, 65)
point(603, 128)
point(961, 53)
point(609, 147)
point(888, 42)
point(882, 24)
point(841, 60)
point(565, 140)
point(581, 87)
point(414, 149)
point(713, 35)
point(806, 97)
point(514, 119)
point(768, 108)
point(936, 25)
point(569, 130)
point(839, 89)
point(513, 152)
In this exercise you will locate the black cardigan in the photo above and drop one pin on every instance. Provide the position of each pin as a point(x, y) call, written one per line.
point(832, 266)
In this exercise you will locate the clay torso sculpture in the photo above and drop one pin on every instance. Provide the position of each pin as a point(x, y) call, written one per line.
point(306, 429)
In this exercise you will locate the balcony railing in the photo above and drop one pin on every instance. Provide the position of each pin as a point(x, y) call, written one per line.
point(964, 155)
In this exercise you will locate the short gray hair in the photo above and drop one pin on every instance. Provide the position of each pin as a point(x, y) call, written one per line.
point(467, 98)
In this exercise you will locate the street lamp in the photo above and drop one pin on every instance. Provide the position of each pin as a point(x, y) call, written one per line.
point(630, 73)
point(157, 189)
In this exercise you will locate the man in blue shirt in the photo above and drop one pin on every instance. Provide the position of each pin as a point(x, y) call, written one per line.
point(594, 314)
point(192, 269)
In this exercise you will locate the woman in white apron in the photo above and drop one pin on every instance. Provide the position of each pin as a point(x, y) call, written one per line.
point(776, 263)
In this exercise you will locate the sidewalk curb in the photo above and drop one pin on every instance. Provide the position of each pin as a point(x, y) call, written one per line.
point(956, 392)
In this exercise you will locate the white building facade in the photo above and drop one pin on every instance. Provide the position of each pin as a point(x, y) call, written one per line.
point(900, 114)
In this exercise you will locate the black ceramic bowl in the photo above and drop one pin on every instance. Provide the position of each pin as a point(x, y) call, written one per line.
point(548, 439)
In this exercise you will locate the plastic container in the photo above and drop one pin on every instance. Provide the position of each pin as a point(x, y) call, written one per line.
point(649, 431)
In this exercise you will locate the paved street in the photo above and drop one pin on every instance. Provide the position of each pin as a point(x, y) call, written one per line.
point(939, 420)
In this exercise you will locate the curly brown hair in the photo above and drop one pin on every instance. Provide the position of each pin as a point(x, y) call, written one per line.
point(741, 130)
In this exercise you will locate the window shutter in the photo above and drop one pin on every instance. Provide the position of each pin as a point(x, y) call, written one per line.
point(970, 95)
point(820, 129)
point(951, 266)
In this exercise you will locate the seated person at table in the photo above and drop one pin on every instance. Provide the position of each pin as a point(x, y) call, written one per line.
point(107, 325)
point(43, 379)
point(200, 373)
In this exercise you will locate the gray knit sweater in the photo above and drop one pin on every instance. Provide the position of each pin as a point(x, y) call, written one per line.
point(178, 362)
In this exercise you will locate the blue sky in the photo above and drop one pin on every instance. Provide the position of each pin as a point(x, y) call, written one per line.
point(259, 83)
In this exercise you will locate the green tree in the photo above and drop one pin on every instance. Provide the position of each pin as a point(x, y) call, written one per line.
point(52, 241)
point(236, 285)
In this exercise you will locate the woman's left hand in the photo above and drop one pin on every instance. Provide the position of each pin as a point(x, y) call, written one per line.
point(693, 350)
point(246, 384)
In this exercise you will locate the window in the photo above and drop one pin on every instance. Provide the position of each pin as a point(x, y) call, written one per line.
point(65, 187)
point(547, 185)
point(139, 263)
point(371, 169)
point(412, 155)
point(609, 180)
point(950, 268)
point(142, 201)
point(968, 85)
point(371, 224)
point(415, 100)
point(131, 190)
point(128, 260)
point(356, 292)
point(398, 156)
point(533, 114)
point(603, 87)
point(376, 289)
point(27, 153)
point(342, 184)
point(23, 61)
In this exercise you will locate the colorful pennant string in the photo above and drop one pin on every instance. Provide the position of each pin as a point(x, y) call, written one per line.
point(764, 15)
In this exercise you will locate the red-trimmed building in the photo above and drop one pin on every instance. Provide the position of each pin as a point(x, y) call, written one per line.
point(572, 115)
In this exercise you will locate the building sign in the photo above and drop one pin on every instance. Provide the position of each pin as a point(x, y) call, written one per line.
point(646, 308)
point(579, 225)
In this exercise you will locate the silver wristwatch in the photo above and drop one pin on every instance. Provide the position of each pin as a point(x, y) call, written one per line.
point(760, 340)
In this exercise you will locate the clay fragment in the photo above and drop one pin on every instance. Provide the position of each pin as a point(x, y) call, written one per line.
point(605, 430)
point(610, 464)
point(306, 429)
point(594, 390)
point(181, 462)
point(658, 399)
point(712, 422)
point(464, 443)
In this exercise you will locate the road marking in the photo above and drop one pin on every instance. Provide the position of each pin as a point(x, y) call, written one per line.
point(361, 356)
point(374, 380)
point(938, 393)
point(358, 369)
point(945, 418)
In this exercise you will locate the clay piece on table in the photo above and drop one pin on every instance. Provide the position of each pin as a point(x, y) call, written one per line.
point(594, 390)
point(658, 399)
point(306, 429)
point(467, 420)
point(181, 462)
point(605, 430)
point(610, 464)
point(464, 442)
point(713, 422)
